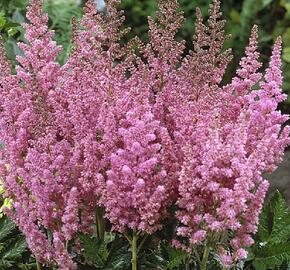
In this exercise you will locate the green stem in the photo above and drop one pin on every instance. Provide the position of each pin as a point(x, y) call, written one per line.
point(128, 237)
point(100, 223)
point(38, 265)
point(134, 250)
point(196, 255)
point(204, 258)
point(187, 263)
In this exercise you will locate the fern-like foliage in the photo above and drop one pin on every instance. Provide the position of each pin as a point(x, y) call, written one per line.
point(114, 254)
point(272, 243)
point(14, 254)
point(60, 14)
point(171, 258)
point(111, 254)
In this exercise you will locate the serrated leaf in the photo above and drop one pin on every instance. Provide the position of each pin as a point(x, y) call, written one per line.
point(95, 252)
point(265, 223)
point(119, 256)
point(272, 247)
point(166, 257)
point(27, 266)
point(119, 262)
point(281, 219)
point(274, 225)
point(6, 227)
point(15, 250)
point(176, 257)
point(259, 265)
point(272, 257)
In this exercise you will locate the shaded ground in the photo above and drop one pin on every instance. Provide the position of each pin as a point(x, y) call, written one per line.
point(280, 179)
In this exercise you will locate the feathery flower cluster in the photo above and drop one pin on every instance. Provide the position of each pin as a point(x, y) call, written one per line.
point(133, 132)
point(221, 187)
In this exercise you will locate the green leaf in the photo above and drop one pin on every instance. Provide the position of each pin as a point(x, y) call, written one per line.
point(272, 245)
point(12, 31)
point(18, 17)
point(175, 257)
point(165, 257)
point(27, 266)
point(248, 17)
point(281, 219)
point(6, 228)
point(119, 256)
point(286, 54)
point(265, 223)
point(274, 225)
point(15, 250)
point(266, 3)
point(286, 36)
point(2, 22)
point(10, 24)
point(235, 16)
point(95, 252)
point(271, 257)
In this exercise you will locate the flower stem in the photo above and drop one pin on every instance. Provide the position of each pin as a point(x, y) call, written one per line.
point(204, 258)
point(100, 223)
point(134, 250)
point(38, 265)
point(187, 263)
point(197, 257)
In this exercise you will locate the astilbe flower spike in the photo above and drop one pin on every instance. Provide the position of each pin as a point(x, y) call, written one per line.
point(32, 154)
point(241, 137)
point(140, 182)
point(124, 135)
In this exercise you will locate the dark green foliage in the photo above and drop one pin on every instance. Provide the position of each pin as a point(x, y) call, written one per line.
point(14, 254)
point(60, 14)
point(271, 250)
point(110, 254)
point(115, 254)
point(12, 15)
point(272, 242)
point(170, 258)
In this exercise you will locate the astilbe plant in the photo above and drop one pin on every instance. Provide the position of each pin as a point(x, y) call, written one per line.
point(221, 188)
point(125, 132)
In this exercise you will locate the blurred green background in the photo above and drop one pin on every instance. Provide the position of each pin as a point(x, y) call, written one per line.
point(272, 16)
